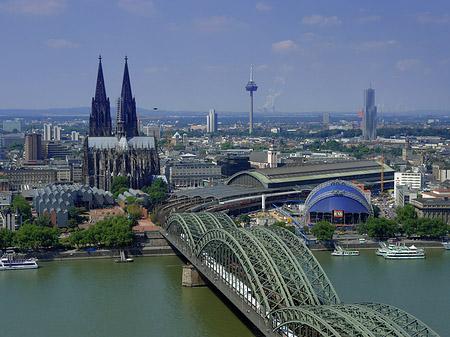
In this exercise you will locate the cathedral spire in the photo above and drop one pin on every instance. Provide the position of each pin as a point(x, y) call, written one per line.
point(100, 91)
point(126, 85)
point(126, 108)
point(100, 118)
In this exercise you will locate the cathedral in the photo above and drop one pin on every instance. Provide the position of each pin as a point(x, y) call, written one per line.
point(109, 154)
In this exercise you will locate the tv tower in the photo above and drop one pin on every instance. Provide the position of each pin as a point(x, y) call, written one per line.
point(251, 86)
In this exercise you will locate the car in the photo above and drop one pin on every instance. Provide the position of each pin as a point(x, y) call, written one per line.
point(341, 233)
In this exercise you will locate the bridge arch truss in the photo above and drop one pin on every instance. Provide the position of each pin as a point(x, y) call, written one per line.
point(277, 277)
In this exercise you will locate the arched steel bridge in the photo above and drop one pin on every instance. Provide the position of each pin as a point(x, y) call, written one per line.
point(271, 276)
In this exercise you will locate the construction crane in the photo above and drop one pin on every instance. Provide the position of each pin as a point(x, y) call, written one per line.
point(141, 118)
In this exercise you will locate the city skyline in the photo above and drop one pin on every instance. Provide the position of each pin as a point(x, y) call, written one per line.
point(302, 52)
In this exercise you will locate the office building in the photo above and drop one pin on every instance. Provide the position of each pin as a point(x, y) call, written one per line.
point(33, 147)
point(211, 121)
point(48, 131)
point(326, 119)
point(13, 125)
point(369, 116)
point(56, 133)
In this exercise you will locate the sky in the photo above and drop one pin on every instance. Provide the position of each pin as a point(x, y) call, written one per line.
point(308, 56)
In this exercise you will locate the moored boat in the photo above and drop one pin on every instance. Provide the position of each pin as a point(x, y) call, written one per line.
point(10, 261)
point(404, 252)
point(338, 251)
point(446, 245)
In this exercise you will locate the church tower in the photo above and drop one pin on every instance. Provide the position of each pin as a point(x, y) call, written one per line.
point(100, 118)
point(126, 122)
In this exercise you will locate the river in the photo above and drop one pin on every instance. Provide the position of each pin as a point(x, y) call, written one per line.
point(100, 298)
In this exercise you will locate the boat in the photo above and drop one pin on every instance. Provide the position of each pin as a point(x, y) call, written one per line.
point(404, 252)
point(383, 249)
point(10, 261)
point(446, 245)
point(338, 251)
point(123, 259)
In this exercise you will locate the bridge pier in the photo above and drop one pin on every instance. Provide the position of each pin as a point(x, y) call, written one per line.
point(192, 277)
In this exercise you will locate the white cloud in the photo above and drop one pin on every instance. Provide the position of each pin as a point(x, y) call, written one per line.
point(308, 37)
point(427, 17)
point(262, 67)
point(445, 61)
point(280, 79)
point(284, 47)
point(155, 69)
point(32, 7)
point(320, 20)
point(407, 64)
point(371, 45)
point(217, 24)
point(368, 19)
point(262, 6)
point(61, 43)
point(138, 7)
point(286, 68)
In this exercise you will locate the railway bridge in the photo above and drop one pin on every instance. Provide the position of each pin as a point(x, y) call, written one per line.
point(271, 277)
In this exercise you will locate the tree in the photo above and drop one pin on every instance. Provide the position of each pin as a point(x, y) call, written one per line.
point(226, 146)
point(118, 183)
point(43, 221)
point(6, 238)
point(34, 236)
point(157, 191)
point(323, 230)
point(15, 146)
point(379, 228)
point(405, 213)
point(134, 212)
point(110, 232)
point(283, 225)
point(425, 227)
point(244, 218)
point(21, 204)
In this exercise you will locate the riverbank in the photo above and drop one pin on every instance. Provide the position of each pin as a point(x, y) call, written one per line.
point(153, 243)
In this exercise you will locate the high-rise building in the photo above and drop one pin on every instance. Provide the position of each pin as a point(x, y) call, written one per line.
point(47, 131)
point(326, 118)
point(33, 147)
point(211, 121)
point(251, 87)
point(125, 154)
point(56, 133)
point(369, 116)
point(75, 135)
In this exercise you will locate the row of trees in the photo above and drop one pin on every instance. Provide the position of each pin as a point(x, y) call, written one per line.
point(31, 235)
point(113, 231)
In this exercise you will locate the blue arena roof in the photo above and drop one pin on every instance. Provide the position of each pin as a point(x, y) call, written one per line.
point(337, 195)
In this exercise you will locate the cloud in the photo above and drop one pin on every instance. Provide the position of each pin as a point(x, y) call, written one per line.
point(426, 18)
point(155, 69)
point(284, 47)
point(368, 19)
point(308, 37)
point(173, 26)
point(217, 24)
point(373, 45)
point(262, 67)
point(280, 79)
point(322, 21)
point(406, 64)
point(61, 43)
point(138, 7)
point(33, 7)
point(286, 68)
point(262, 6)
point(445, 61)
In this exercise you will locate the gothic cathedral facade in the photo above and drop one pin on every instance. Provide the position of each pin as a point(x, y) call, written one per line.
point(109, 154)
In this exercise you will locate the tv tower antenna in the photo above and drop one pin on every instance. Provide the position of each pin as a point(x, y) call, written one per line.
point(251, 86)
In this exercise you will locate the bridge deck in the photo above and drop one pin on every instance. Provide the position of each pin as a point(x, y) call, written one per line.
point(219, 283)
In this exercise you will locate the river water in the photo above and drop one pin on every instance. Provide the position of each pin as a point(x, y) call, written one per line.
point(100, 298)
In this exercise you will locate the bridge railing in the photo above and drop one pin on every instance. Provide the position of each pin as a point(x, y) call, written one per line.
point(246, 304)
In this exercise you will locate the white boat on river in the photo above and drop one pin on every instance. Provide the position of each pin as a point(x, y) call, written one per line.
point(9, 261)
